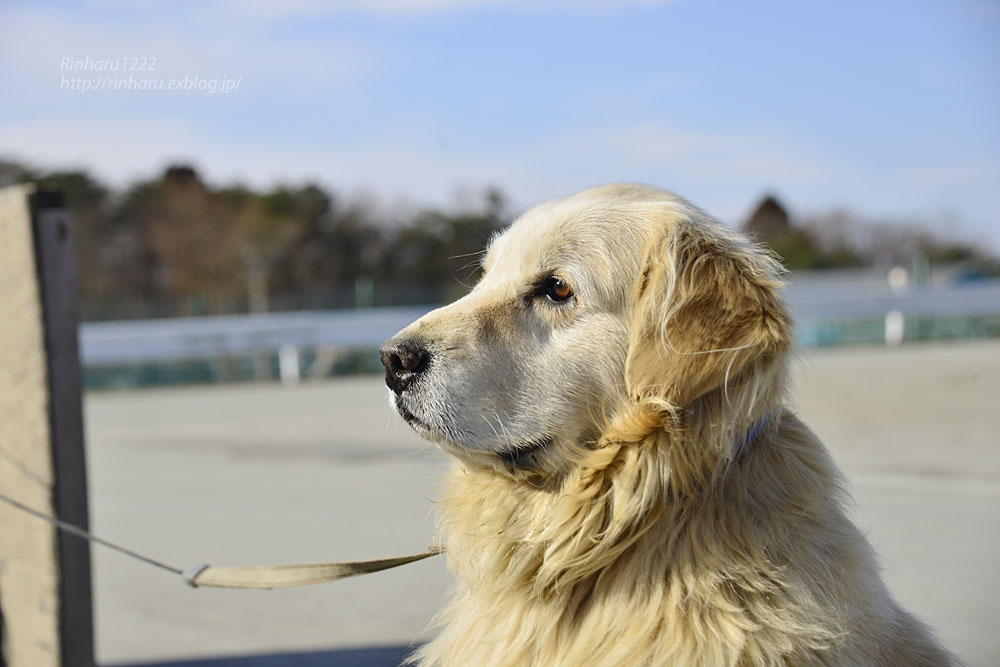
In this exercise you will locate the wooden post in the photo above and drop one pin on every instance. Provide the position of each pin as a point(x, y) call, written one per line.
point(44, 575)
point(56, 266)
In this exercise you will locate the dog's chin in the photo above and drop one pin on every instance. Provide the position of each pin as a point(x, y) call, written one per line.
point(525, 457)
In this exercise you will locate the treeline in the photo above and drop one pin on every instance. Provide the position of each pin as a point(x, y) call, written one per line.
point(176, 246)
point(841, 239)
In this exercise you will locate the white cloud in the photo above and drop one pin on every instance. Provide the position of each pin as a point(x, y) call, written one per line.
point(115, 150)
point(298, 8)
point(947, 175)
point(720, 171)
point(725, 172)
point(657, 146)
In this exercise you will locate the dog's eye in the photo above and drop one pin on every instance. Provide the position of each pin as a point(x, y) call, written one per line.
point(558, 289)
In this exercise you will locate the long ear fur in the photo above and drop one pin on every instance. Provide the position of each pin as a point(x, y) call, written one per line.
point(707, 316)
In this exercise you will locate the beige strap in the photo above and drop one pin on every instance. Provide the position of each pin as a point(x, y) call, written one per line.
point(284, 576)
point(246, 576)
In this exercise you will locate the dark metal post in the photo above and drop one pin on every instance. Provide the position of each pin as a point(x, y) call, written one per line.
point(56, 265)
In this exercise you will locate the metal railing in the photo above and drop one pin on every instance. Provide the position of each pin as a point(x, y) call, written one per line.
point(321, 343)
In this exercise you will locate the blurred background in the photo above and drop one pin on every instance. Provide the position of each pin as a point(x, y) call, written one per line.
point(263, 191)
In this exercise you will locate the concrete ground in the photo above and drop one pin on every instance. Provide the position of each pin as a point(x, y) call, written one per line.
point(267, 474)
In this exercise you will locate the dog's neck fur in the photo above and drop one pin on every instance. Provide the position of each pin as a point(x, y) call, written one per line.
point(535, 568)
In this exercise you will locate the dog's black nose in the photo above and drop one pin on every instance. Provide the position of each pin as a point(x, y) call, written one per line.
point(404, 360)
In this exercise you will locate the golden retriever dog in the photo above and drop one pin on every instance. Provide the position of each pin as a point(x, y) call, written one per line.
point(629, 487)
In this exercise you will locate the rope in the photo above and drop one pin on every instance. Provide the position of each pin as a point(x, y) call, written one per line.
point(243, 576)
point(79, 532)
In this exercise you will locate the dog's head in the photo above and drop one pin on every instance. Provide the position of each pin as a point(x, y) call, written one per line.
point(618, 299)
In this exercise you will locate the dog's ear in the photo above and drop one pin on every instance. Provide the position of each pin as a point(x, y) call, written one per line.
point(706, 308)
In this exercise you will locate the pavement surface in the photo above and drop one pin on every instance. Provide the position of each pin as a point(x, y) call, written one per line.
point(258, 474)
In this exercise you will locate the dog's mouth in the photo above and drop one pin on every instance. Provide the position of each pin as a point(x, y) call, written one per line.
point(524, 456)
point(433, 429)
point(411, 418)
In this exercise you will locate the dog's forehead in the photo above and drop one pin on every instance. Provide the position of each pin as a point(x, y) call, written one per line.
point(543, 235)
point(591, 229)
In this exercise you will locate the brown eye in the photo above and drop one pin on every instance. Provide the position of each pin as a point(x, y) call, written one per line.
point(558, 289)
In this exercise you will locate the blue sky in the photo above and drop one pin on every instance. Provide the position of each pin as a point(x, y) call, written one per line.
point(891, 109)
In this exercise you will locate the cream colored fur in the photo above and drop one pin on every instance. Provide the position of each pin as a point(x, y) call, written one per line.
point(670, 509)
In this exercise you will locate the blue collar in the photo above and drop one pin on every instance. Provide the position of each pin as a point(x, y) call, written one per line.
point(754, 429)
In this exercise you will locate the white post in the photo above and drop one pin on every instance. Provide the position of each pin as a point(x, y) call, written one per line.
point(895, 328)
point(288, 364)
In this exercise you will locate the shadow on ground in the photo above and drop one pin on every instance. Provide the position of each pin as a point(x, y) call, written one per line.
point(382, 656)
